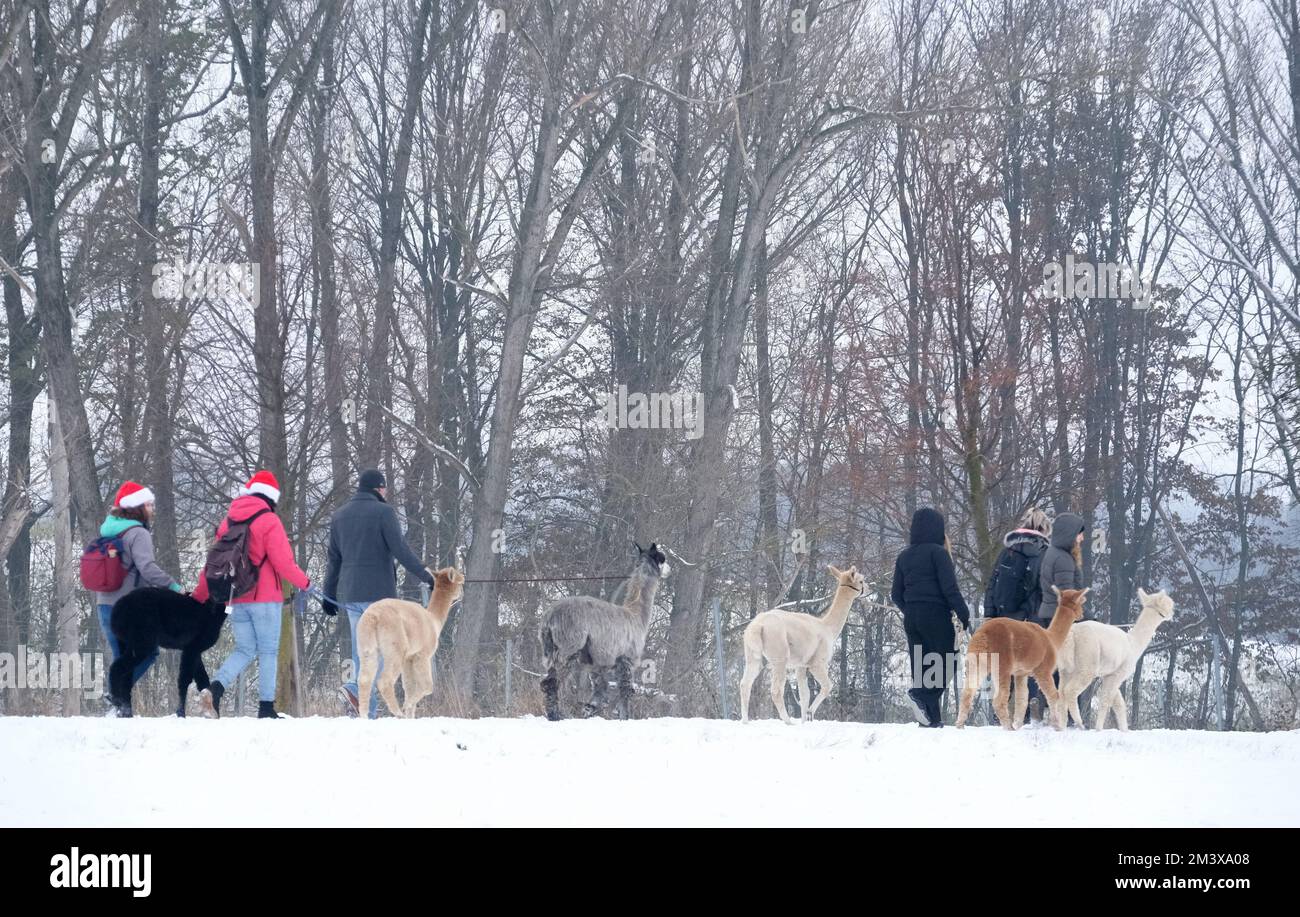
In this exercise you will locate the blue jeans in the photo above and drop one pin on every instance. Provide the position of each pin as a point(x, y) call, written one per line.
point(355, 610)
point(257, 633)
point(105, 616)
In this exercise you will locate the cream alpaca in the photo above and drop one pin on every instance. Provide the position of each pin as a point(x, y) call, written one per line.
point(1005, 648)
point(1094, 650)
point(790, 640)
point(406, 634)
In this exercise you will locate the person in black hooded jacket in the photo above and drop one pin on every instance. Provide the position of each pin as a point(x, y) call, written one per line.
point(925, 589)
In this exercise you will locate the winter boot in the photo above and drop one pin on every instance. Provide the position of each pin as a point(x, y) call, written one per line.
point(920, 707)
point(1036, 710)
point(266, 710)
point(934, 712)
point(210, 699)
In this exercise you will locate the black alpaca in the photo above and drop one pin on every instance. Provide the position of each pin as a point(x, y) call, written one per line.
point(144, 620)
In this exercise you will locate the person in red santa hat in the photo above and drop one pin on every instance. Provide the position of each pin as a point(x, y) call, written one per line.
point(255, 615)
point(128, 522)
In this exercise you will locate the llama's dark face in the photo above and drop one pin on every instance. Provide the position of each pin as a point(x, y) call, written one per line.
point(653, 559)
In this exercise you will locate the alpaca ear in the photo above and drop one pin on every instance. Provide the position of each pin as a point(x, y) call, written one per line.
point(1055, 590)
point(1085, 591)
point(834, 572)
point(853, 570)
point(1143, 594)
point(639, 549)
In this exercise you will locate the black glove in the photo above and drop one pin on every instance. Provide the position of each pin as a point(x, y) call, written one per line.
point(329, 607)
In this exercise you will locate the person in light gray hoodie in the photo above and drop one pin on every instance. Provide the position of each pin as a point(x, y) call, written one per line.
point(128, 521)
point(1062, 565)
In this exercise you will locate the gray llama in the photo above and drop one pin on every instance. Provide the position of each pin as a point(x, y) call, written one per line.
point(600, 634)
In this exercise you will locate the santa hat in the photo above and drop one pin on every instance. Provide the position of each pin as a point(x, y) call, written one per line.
point(131, 495)
point(263, 483)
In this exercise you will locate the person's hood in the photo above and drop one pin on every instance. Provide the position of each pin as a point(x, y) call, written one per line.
point(115, 525)
point(1025, 536)
point(927, 527)
point(243, 507)
point(1065, 528)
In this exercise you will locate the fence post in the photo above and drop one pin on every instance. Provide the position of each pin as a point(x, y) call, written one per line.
point(510, 664)
point(722, 663)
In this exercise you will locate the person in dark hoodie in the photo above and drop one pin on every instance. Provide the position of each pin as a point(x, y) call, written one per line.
point(1014, 590)
point(1062, 567)
point(925, 589)
point(365, 541)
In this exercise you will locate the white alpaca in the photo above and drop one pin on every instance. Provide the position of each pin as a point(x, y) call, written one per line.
point(1094, 650)
point(791, 640)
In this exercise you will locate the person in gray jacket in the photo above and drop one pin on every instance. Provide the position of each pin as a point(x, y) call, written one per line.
point(1062, 565)
point(128, 521)
point(365, 540)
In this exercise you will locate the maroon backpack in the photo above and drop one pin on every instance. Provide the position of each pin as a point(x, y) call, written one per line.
point(228, 570)
point(103, 565)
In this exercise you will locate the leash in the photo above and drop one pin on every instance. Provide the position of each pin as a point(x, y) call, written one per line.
point(545, 579)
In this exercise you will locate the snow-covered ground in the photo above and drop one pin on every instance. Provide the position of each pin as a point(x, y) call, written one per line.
point(325, 771)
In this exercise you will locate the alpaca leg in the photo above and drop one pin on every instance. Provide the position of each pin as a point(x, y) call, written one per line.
point(623, 668)
point(1022, 700)
point(1121, 711)
point(823, 685)
point(387, 683)
point(189, 662)
point(778, 686)
point(417, 680)
point(1043, 676)
point(801, 676)
point(970, 687)
point(752, 668)
point(366, 680)
point(1106, 694)
point(410, 687)
point(599, 690)
point(119, 680)
point(1070, 691)
point(551, 693)
point(1002, 698)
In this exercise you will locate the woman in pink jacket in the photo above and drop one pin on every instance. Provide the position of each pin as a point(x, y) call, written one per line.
point(255, 615)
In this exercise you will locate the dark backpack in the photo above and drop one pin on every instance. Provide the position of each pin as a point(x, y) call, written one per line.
point(228, 570)
point(103, 565)
point(1011, 585)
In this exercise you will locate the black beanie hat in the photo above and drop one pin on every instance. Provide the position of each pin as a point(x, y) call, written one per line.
point(371, 479)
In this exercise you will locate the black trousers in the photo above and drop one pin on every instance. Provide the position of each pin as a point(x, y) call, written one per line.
point(932, 646)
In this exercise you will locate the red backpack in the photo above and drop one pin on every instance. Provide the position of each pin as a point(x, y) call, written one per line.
point(103, 565)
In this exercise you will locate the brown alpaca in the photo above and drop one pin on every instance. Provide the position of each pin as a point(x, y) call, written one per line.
point(1005, 648)
point(406, 634)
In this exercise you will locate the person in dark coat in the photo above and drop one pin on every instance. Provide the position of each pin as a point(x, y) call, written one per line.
point(925, 589)
point(365, 541)
point(1022, 552)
